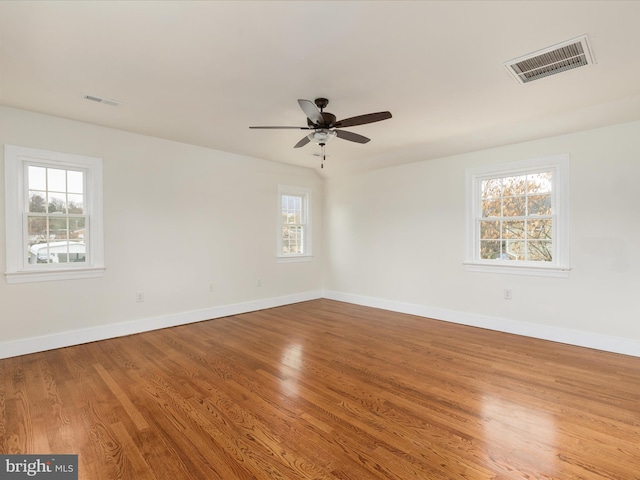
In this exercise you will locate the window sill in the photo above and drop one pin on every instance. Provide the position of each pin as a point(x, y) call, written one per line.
point(27, 276)
point(294, 258)
point(531, 270)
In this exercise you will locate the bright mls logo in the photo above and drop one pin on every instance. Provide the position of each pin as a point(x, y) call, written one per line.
point(46, 467)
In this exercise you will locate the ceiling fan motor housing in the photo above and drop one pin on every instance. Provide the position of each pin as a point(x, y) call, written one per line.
point(328, 121)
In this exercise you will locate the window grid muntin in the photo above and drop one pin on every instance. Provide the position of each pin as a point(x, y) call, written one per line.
point(498, 182)
point(505, 241)
point(294, 239)
point(66, 248)
point(293, 217)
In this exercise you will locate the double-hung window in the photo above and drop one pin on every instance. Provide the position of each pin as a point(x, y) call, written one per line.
point(517, 217)
point(53, 215)
point(294, 223)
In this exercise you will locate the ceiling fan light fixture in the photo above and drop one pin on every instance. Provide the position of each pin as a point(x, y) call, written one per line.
point(322, 136)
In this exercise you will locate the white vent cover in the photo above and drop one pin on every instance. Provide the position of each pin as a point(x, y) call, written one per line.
point(107, 101)
point(556, 59)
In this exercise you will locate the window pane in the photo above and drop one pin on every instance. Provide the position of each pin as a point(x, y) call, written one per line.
point(39, 253)
point(77, 252)
point(540, 251)
point(291, 209)
point(514, 186)
point(37, 178)
point(292, 239)
point(57, 181)
point(491, 188)
point(540, 229)
point(539, 205)
point(36, 229)
point(539, 182)
point(77, 228)
point(514, 206)
point(75, 203)
point(490, 230)
point(58, 228)
point(514, 250)
point(489, 249)
point(37, 202)
point(57, 203)
point(58, 252)
point(492, 208)
point(75, 181)
point(513, 229)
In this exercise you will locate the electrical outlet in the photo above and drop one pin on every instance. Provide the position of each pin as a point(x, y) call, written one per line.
point(507, 294)
point(211, 286)
point(139, 297)
point(259, 282)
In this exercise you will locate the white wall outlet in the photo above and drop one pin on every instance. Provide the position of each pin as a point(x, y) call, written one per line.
point(211, 286)
point(507, 294)
point(139, 297)
point(259, 282)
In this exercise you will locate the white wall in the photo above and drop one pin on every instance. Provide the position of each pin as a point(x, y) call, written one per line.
point(395, 238)
point(177, 217)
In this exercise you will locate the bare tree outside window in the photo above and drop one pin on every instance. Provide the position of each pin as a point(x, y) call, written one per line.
point(516, 221)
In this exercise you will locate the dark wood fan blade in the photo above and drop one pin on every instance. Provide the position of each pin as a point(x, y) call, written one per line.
point(352, 137)
point(303, 141)
point(362, 119)
point(295, 128)
point(311, 111)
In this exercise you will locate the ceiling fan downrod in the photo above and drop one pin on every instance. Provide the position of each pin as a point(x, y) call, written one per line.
point(321, 103)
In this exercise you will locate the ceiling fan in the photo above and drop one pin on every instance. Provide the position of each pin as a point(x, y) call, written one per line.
point(324, 126)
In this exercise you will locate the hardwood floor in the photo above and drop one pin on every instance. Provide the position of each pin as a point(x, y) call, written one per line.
point(326, 390)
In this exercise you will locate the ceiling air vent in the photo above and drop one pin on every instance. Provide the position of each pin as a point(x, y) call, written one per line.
point(107, 101)
point(556, 59)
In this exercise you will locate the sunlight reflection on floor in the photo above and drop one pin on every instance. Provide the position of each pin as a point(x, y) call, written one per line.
point(290, 363)
point(518, 434)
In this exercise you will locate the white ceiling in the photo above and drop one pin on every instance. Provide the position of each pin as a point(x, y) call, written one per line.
point(203, 72)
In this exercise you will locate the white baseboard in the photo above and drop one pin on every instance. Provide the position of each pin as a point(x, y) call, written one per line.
point(25, 346)
point(606, 343)
point(545, 332)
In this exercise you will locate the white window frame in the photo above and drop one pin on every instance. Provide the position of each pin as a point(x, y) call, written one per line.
point(305, 193)
point(560, 264)
point(18, 270)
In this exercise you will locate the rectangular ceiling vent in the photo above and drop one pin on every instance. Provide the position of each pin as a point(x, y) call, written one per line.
point(107, 101)
point(556, 59)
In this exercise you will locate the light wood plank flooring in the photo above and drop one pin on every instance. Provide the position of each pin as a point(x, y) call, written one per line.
point(326, 390)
